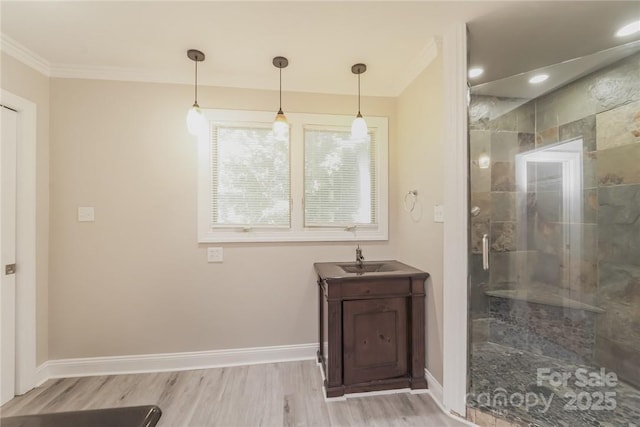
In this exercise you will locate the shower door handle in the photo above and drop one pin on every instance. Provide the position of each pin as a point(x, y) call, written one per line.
point(485, 252)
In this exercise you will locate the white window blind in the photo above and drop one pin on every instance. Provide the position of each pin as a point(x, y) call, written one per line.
point(339, 179)
point(250, 176)
point(314, 185)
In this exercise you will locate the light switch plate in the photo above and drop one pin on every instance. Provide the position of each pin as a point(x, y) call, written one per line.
point(214, 254)
point(86, 214)
point(438, 213)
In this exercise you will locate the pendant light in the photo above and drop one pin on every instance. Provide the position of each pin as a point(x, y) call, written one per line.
point(359, 126)
point(280, 124)
point(195, 118)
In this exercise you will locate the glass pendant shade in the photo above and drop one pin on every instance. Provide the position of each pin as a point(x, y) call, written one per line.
point(280, 124)
point(359, 128)
point(195, 120)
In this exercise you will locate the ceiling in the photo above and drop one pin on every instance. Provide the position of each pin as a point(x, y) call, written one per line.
point(148, 40)
point(531, 35)
point(517, 86)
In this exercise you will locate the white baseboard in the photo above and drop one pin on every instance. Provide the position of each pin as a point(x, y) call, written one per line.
point(41, 374)
point(137, 364)
point(434, 387)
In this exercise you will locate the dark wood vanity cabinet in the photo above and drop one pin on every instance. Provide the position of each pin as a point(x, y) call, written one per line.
point(372, 330)
point(374, 339)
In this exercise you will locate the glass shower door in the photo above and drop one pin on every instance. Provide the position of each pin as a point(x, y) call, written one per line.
point(555, 251)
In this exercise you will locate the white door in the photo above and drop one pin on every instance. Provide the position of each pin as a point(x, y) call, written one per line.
point(8, 255)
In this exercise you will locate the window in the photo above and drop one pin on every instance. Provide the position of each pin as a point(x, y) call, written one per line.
point(314, 184)
point(250, 177)
point(339, 179)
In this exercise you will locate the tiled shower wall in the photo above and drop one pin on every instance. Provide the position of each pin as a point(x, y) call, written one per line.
point(500, 128)
point(604, 109)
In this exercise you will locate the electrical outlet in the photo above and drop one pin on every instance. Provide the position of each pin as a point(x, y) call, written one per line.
point(214, 254)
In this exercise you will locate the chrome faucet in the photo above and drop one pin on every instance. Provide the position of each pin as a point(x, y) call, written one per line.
point(359, 257)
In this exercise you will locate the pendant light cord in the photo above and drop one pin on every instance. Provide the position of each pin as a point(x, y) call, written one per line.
point(359, 94)
point(280, 107)
point(196, 88)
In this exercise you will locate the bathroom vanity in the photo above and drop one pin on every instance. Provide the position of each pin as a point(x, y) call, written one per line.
point(372, 324)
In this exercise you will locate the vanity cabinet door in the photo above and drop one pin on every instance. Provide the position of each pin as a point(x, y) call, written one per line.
point(375, 339)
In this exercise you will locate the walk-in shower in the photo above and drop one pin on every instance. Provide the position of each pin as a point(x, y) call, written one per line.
point(555, 245)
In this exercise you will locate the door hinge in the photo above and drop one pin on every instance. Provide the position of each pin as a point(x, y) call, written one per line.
point(9, 269)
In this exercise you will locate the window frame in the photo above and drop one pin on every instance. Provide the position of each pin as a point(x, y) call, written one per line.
point(210, 233)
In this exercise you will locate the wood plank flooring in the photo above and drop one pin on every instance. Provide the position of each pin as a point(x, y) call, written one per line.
point(276, 394)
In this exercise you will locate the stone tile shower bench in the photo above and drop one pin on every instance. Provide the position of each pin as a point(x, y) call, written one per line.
point(543, 323)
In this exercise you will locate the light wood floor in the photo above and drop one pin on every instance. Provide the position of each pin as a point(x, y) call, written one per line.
point(277, 394)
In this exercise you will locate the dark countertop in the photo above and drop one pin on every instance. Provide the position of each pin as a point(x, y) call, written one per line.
point(331, 271)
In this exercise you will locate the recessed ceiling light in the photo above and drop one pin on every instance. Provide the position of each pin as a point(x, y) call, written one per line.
point(539, 78)
point(629, 29)
point(475, 72)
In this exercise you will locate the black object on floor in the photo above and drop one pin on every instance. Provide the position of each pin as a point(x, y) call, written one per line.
point(133, 416)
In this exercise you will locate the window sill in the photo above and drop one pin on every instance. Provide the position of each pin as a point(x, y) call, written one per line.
point(252, 236)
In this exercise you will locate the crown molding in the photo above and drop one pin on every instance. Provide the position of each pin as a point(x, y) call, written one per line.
point(428, 53)
point(31, 59)
point(68, 71)
point(24, 55)
point(72, 71)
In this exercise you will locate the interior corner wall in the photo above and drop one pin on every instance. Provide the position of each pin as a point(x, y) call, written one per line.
point(29, 84)
point(418, 166)
point(136, 281)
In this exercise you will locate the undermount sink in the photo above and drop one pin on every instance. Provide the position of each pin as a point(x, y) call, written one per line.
point(366, 267)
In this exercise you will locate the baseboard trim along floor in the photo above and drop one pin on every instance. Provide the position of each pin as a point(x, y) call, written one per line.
point(147, 363)
point(435, 390)
point(434, 387)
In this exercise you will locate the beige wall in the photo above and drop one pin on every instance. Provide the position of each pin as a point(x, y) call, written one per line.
point(135, 281)
point(27, 83)
point(418, 165)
